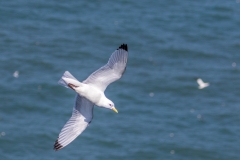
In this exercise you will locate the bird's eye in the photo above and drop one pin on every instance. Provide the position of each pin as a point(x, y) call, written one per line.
point(110, 105)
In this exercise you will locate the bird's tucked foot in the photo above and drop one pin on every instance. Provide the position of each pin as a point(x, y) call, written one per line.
point(72, 86)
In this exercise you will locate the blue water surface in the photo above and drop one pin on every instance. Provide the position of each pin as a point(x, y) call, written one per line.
point(162, 113)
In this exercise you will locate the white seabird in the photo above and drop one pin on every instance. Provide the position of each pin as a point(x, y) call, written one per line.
point(90, 92)
point(202, 84)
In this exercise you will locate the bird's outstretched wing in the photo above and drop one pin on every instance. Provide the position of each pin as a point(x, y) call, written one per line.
point(81, 117)
point(110, 72)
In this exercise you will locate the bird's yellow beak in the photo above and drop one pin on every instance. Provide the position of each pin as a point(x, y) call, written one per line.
point(115, 110)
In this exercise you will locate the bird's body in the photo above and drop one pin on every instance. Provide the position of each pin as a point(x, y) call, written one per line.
point(95, 96)
point(89, 93)
point(202, 84)
point(82, 89)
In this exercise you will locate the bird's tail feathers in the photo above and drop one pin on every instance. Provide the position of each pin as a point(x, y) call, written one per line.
point(68, 78)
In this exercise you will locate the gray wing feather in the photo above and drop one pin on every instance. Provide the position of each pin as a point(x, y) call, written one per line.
point(81, 117)
point(110, 72)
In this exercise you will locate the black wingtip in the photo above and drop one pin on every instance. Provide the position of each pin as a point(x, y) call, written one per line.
point(57, 146)
point(124, 47)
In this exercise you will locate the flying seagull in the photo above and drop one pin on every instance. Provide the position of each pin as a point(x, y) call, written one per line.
point(202, 84)
point(90, 92)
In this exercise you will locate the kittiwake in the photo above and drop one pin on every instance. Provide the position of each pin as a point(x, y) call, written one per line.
point(90, 92)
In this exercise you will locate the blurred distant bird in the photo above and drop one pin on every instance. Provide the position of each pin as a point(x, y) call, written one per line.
point(89, 93)
point(16, 74)
point(202, 84)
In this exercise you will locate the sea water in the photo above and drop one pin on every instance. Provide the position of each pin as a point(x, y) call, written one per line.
point(162, 113)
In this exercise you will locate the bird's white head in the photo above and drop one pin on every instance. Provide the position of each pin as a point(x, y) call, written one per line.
point(110, 105)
